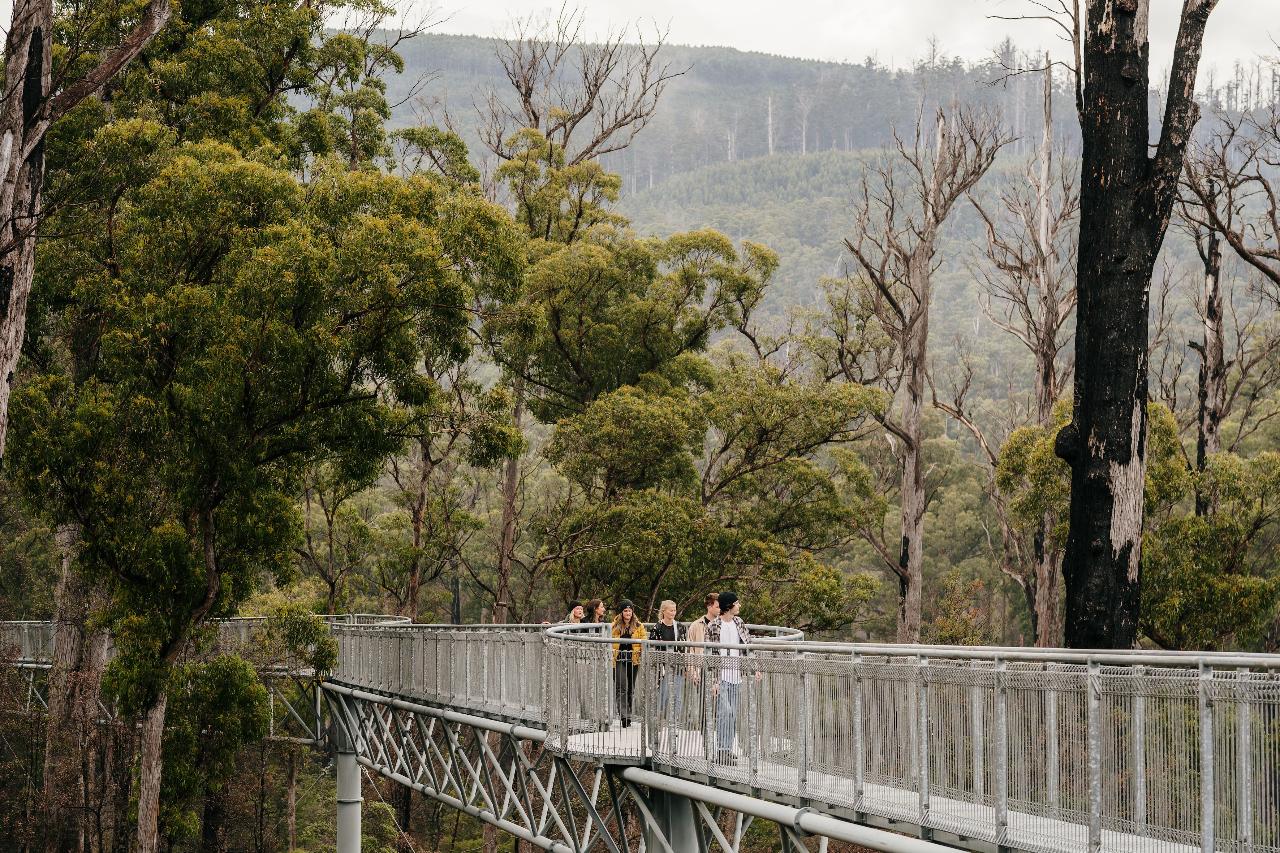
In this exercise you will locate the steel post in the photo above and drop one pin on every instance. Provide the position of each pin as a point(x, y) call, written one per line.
point(672, 817)
point(349, 799)
point(1206, 759)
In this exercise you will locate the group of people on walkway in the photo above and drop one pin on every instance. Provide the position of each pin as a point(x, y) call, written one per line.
point(724, 634)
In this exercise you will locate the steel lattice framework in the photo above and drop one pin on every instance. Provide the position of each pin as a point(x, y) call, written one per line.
point(504, 774)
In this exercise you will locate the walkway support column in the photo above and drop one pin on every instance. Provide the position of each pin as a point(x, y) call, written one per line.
point(349, 799)
point(675, 820)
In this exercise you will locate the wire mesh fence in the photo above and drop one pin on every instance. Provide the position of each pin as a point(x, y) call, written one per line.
point(1178, 753)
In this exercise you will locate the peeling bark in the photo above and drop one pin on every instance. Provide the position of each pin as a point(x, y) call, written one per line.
point(150, 765)
point(26, 113)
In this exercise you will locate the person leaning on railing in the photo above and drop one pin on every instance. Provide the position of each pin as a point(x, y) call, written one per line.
point(626, 657)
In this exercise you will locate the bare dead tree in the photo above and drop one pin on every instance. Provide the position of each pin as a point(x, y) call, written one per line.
point(588, 98)
point(1126, 200)
point(1230, 195)
point(898, 219)
point(1028, 291)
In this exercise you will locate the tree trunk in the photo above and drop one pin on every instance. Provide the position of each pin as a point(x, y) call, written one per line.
point(1213, 368)
point(26, 112)
point(28, 55)
point(212, 825)
point(510, 491)
point(911, 559)
point(75, 678)
point(150, 765)
point(1126, 197)
point(404, 817)
point(1048, 569)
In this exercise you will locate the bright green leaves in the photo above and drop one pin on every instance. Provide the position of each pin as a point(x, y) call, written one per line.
point(244, 327)
point(1205, 583)
point(215, 709)
point(628, 439)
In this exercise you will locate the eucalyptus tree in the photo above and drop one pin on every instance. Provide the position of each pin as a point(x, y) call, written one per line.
point(899, 215)
point(180, 451)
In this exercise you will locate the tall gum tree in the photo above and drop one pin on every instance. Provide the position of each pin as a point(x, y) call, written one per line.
point(33, 100)
point(898, 221)
point(1126, 198)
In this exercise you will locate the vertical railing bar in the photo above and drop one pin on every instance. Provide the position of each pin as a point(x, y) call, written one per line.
point(806, 710)
point(1093, 738)
point(1002, 754)
point(922, 737)
point(1206, 758)
point(1052, 768)
point(1244, 747)
point(978, 746)
point(859, 740)
point(1139, 734)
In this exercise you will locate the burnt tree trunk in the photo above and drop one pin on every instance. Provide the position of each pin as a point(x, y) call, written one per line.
point(1126, 197)
point(1212, 382)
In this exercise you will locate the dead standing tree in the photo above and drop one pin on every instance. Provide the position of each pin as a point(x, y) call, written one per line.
point(898, 220)
point(588, 99)
point(1027, 291)
point(1230, 195)
point(1126, 199)
point(34, 98)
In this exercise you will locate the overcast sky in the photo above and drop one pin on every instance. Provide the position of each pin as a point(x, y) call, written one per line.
point(894, 31)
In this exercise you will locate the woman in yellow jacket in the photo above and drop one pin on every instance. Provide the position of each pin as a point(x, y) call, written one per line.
point(626, 657)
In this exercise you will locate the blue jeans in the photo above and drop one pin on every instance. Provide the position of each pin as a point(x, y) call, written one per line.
point(671, 698)
point(726, 716)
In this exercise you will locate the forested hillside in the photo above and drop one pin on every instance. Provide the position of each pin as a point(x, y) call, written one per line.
point(325, 323)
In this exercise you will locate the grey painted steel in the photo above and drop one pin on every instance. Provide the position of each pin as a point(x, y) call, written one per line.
point(349, 802)
point(806, 821)
point(670, 823)
point(1051, 751)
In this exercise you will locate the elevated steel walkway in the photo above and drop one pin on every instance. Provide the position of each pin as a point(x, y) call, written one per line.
point(986, 749)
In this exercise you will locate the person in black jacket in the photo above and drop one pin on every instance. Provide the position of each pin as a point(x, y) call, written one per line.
point(670, 664)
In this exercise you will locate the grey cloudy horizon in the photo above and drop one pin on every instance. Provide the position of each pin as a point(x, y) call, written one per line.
point(895, 34)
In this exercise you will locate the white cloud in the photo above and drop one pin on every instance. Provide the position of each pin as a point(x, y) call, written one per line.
point(896, 33)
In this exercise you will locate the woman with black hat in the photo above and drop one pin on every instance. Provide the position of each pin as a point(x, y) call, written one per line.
point(626, 656)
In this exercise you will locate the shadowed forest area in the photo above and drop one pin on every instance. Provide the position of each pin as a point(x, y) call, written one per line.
point(307, 309)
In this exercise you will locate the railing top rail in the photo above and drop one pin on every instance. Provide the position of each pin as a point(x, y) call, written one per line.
point(793, 641)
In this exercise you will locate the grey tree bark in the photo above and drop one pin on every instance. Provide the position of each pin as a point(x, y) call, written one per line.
point(896, 230)
point(29, 108)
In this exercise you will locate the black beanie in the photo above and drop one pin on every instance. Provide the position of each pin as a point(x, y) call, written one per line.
point(727, 600)
point(624, 604)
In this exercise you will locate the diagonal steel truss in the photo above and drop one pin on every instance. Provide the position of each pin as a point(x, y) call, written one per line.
point(503, 774)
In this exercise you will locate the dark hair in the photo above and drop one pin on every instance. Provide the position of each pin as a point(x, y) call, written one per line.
point(591, 607)
point(727, 600)
point(712, 597)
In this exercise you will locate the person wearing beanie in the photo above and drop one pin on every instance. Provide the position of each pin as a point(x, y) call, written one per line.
point(730, 633)
point(626, 657)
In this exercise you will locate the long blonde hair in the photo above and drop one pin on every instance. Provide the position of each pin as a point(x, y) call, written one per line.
point(664, 605)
